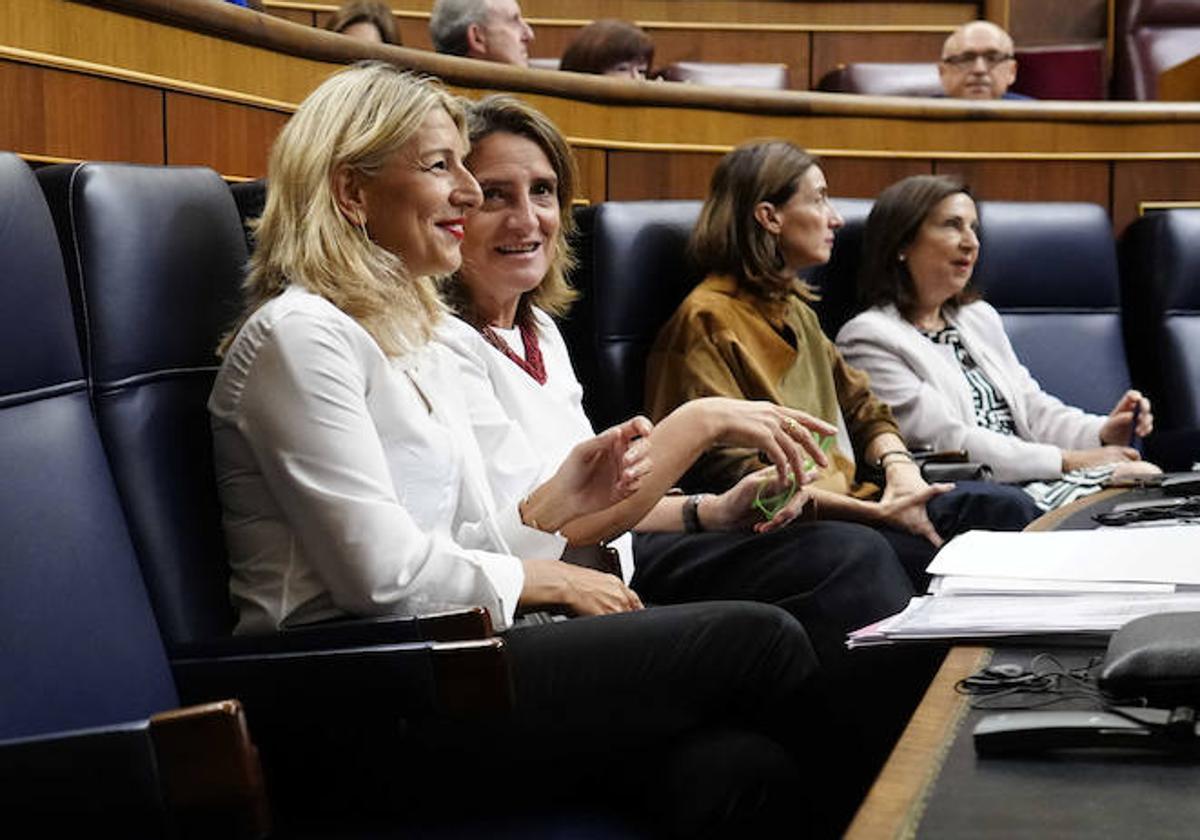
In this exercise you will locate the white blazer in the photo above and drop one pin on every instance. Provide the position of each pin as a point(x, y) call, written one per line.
point(925, 386)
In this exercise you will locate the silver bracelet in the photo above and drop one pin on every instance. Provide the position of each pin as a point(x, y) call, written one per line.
point(691, 514)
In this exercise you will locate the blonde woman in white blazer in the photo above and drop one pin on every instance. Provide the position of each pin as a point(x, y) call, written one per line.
point(940, 357)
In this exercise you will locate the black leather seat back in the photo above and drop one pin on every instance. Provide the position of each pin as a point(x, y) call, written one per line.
point(1160, 279)
point(639, 274)
point(1050, 268)
point(78, 643)
point(159, 254)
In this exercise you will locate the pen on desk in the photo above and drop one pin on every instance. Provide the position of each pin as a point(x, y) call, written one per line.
point(1134, 439)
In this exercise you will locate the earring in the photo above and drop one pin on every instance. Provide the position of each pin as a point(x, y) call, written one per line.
point(901, 257)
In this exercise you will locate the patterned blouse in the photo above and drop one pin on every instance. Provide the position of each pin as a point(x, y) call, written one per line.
point(993, 413)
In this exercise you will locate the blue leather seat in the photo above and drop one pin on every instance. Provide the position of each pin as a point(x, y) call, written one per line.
point(79, 647)
point(1160, 300)
point(1050, 268)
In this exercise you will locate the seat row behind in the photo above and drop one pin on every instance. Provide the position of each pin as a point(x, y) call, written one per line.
point(1087, 324)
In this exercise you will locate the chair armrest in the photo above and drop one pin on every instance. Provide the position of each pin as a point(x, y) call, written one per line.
point(454, 626)
point(414, 679)
point(210, 772)
point(137, 779)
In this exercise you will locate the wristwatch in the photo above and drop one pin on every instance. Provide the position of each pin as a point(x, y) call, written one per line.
point(691, 514)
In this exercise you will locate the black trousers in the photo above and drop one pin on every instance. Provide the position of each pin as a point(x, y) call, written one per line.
point(970, 505)
point(834, 577)
point(692, 721)
point(696, 720)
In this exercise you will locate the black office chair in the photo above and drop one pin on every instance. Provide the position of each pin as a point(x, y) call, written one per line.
point(156, 262)
point(1160, 302)
point(1050, 268)
point(88, 736)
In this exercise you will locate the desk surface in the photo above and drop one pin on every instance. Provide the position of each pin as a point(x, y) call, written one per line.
point(897, 801)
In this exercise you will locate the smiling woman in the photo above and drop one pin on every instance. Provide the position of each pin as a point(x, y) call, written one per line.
point(352, 482)
point(940, 357)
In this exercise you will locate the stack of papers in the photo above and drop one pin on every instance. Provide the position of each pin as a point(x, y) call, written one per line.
point(1068, 585)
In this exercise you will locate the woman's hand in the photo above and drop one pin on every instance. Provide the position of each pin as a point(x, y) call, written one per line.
point(1078, 459)
point(1118, 429)
point(734, 509)
point(583, 591)
point(597, 473)
point(783, 434)
point(1129, 471)
point(904, 500)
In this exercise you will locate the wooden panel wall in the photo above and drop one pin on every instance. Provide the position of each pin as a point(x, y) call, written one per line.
point(232, 138)
point(70, 115)
point(142, 91)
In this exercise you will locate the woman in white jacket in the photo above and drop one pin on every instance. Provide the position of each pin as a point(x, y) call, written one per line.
point(940, 357)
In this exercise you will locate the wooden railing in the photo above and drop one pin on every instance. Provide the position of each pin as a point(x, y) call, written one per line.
point(189, 81)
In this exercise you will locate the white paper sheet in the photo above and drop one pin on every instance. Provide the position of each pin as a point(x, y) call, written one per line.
point(1151, 555)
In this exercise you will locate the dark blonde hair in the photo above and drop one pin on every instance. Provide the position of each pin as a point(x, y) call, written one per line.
point(729, 240)
point(357, 118)
point(892, 226)
point(503, 114)
point(603, 44)
point(366, 11)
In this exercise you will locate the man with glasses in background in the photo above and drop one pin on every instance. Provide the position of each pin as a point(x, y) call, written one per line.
point(978, 62)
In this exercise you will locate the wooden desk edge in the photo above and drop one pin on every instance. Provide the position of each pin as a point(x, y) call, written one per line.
point(893, 806)
point(896, 801)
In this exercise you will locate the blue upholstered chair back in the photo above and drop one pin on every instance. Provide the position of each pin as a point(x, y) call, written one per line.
point(1160, 277)
point(1050, 268)
point(158, 258)
point(78, 642)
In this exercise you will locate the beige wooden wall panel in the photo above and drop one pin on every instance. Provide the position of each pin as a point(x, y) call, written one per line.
point(831, 49)
point(231, 138)
point(593, 175)
point(1137, 181)
point(866, 177)
point(740, 11)
point(636, 175)
point(54, 113)
point(1022, 180)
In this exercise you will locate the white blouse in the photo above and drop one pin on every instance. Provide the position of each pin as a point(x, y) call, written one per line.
point(536, 425)
point(923, 382)
point(350, 482)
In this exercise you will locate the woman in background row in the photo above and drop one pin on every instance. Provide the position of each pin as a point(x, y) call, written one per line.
point(609, 47)
point(939, 356)
point(351, 483)
point(367, 20)
point(748, 331)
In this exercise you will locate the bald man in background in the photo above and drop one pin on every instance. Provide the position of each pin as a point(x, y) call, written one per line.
point(978, 62)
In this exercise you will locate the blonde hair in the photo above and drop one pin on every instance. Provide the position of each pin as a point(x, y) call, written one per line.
point(729, 240)
point(503, 114)
point(358, 118)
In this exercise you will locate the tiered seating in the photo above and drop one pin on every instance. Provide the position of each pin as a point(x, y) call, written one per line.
point(1050, 268)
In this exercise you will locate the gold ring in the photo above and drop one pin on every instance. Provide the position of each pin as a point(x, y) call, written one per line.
point(789, 425)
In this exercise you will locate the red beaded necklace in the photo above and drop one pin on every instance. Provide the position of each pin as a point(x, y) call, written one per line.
point(533, 364)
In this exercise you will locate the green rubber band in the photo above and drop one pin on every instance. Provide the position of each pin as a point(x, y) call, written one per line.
point(770, 505)
point(824, 442)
